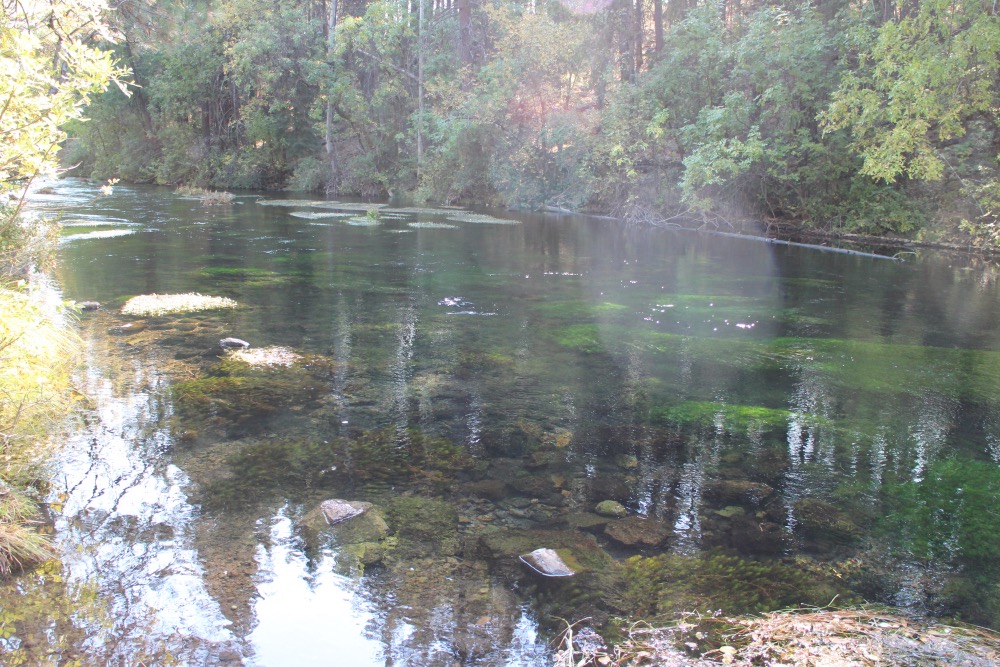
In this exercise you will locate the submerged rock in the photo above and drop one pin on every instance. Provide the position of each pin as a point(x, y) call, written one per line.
point(357, 528)
point(89, 305)
point(233, 344)
point(739, 491)
point(637, 531)
point(731, 512)
point(611, 508)
point(128, 328)
point(547, 562)
point(823, 521)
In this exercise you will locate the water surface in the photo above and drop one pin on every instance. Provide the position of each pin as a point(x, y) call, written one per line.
point(769, 417)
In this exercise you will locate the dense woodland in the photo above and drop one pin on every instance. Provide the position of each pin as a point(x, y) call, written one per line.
point(871, 117)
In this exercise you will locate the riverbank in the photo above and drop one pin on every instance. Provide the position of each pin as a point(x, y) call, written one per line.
point(38, 350)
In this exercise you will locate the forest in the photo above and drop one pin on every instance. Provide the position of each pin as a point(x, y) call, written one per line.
point(874, 118)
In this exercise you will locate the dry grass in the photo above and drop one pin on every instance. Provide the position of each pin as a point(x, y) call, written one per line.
point(148, 305)
point(860, 637)
point(20, 544)
point(36, 357)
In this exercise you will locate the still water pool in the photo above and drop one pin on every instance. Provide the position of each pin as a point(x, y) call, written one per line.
point(761, 426)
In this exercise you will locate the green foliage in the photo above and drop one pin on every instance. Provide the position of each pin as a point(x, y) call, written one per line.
point(660, 586)
point(36, 356)
point(920, 105)
point(515, 127)
point(780, 111)
point(921, 78)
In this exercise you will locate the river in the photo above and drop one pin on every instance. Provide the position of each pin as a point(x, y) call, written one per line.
point(761, 426)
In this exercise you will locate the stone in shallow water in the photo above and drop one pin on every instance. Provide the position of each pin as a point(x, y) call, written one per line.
point(637, 531)
point(89, 305)
point(611, 508)
point(335, 510)
point(233, 344)
point(547, 563)
point(347, 521)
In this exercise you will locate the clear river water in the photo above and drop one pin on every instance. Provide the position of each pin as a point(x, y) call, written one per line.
point(694, 423)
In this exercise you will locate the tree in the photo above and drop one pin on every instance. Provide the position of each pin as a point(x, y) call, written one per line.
point(921, 107)
point(920, 81)
point(53, 64)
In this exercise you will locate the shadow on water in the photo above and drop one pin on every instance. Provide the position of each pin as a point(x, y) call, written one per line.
point(690, 423)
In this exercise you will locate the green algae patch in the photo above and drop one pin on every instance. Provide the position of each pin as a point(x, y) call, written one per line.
point(480, 219)
point(733, 418)
point(890, 368)
point(661, 586)
point(950, 513)
point(245, 276)
point(148, 305)
point(586, 338)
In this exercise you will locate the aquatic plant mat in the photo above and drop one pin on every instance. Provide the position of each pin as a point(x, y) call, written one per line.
point(266, 356)
point(161, 304)
point(798, 638)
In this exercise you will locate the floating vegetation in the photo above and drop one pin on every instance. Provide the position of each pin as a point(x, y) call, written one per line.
point(430, 225)
point(266, 356)
point(216, 198)
point(95, 221)
point(481, 219)
point(207, 197)
point(160, 304)
point(97, 234)
point(348, 206)
point(319, 215)
point(290, 202)
point(416, 210)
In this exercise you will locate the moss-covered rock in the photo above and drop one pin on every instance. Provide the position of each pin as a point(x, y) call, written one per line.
point(611, 508)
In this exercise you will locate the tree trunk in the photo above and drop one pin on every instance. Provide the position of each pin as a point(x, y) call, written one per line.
point(638, 36)
point(658, 25)
point(420, 85)
point(465, 31)
point(331, 149)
